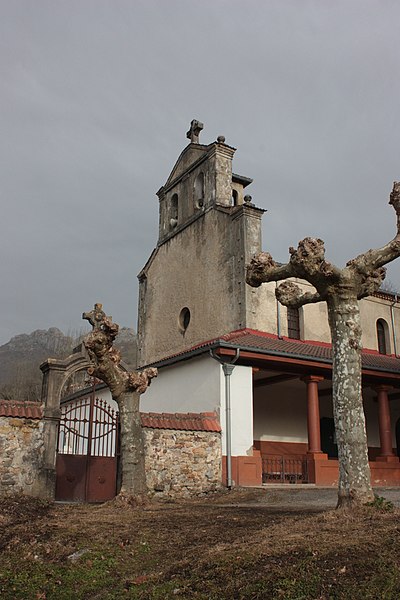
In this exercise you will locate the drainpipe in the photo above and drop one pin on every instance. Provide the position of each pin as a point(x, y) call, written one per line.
point(278, 314)
point(393, 329)
point(227, 368)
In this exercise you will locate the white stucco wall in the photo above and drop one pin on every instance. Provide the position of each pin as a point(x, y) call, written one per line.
point(192, 386)
point(280, 413)
point(198, 385)
point(241, 387)
point(105, 394)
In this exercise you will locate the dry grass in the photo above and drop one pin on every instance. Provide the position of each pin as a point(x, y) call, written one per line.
point(235, 547)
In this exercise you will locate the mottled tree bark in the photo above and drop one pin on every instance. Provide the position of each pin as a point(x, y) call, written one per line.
point(348, 411)
point(125, 388)
point(132, 446)
point(341, 289)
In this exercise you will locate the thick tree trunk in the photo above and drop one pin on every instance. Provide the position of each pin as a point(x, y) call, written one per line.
point(354, 473)
point(132, 446)
point(125, 388)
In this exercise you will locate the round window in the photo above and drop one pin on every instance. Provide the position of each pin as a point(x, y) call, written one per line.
point(184, 318)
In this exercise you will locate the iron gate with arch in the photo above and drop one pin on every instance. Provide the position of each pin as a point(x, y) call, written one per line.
point(87, 451)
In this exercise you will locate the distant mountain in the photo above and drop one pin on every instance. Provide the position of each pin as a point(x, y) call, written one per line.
point(20, 359)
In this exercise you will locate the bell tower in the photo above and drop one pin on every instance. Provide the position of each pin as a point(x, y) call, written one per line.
point(192, 287)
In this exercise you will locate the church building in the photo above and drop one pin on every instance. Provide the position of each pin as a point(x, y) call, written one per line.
point(224, 347)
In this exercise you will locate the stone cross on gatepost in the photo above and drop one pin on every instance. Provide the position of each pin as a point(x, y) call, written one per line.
point(194, 131)
point(96, 317)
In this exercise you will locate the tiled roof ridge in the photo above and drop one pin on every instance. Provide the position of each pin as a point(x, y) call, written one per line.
point(27, 409)
point(239, 337)
point(234, 335)
point(204, 421)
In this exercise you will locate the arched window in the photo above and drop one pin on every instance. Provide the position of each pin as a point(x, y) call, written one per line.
point(173, 221)
point(234, 198)
point(293, 323)
point(184, 319)
point(199, 191)
point(382, 335)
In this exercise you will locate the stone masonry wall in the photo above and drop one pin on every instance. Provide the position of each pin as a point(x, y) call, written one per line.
point(182, 463)
point(21, 451)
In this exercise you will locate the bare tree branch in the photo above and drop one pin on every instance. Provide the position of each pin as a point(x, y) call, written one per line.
point(106, 359)
point(308, 262)
point(290, 294)
point(372, 260)
point(263, 268)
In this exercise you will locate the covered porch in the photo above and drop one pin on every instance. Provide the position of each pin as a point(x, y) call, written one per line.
point(293, 427)
point(295, 435)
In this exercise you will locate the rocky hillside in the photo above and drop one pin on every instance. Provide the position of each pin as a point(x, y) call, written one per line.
point(20, 359)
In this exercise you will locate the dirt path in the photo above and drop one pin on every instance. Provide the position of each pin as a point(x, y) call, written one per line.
point(304, 498)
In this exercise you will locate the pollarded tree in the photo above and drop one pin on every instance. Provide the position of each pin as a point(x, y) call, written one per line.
point(125, 388)
point(341, 289)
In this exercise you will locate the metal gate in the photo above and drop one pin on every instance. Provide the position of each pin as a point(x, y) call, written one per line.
point(86, 463)
point(284, 469)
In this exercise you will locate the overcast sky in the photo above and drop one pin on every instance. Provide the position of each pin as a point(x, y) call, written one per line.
point(96, 98)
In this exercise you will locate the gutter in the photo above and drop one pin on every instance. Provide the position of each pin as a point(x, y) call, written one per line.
point(228, 368)
point(393, 327)
point(278, 314)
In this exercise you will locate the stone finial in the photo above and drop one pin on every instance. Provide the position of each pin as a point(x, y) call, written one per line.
point(247, 199)
point(194, 131)
point(221, 139)
point(96, 317)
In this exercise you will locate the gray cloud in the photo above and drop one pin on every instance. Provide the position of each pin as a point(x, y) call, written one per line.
point(95, 100)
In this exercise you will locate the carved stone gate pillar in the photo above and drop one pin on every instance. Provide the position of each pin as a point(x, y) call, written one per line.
point(385, 426)
point(55, 373)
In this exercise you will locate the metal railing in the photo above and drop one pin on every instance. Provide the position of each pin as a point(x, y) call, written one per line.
point(282, 469)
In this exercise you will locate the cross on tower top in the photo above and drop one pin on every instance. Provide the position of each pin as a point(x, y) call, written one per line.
point(194, 131)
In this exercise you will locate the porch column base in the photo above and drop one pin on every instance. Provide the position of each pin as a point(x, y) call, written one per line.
point(317, 455)
point(246, 470)
point(388, 459)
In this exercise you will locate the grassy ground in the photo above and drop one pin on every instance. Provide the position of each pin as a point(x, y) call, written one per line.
point(235, 546)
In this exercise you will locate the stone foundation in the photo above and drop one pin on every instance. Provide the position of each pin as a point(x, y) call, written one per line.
point(182, 463)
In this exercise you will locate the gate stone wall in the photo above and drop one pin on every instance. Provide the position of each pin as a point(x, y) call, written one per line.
point(182, 463)
point(21, 448)
point(183, 452)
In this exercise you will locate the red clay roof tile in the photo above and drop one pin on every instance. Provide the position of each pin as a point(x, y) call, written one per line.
point(181, 421)
point(21, 409)
point(270, 344)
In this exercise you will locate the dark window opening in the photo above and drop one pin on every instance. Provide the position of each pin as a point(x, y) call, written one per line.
point(174, 211)
point(184, 319)
point(199, 191)
point(381, 335)
point(234, 199)
point(328, 437)
point(293, 323)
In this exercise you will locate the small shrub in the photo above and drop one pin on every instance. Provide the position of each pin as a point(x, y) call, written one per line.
point(380, 503)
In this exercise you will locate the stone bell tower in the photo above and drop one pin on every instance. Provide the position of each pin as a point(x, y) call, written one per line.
point(192, 288)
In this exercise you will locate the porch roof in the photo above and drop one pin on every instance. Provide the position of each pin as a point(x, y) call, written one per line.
point(269, 345)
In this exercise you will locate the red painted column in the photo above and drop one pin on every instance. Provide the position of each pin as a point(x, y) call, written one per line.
point(313, 421)
point(385, 426)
